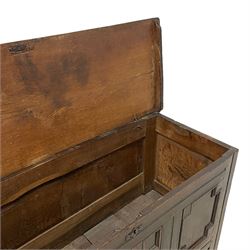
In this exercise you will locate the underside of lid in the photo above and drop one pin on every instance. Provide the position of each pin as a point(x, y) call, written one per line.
point(62, 90)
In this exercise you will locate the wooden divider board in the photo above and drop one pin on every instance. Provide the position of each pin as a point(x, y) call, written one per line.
point(62, 90)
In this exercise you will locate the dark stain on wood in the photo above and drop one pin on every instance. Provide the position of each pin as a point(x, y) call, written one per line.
point(69, 83)
point(20, 48)
point(54, 85)
point(81, 137)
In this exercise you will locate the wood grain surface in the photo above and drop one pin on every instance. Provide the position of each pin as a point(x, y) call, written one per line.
point(18, 184)
point(175, 164)
point(69, 229)
point(62, 90)
point(82, 139)
point(54, 201)
point(190, 138)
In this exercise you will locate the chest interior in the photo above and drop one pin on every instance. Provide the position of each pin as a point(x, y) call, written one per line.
point(163, 158)
point(85, 150)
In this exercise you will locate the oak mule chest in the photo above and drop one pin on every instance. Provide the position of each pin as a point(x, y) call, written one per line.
point(87, 159)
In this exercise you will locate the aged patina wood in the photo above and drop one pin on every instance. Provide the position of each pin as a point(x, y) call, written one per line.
point(78, 85)
point(55, 201)
point(68, 160)
point(88, 161)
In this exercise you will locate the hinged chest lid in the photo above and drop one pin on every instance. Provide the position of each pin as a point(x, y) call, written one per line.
point(62, 90)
